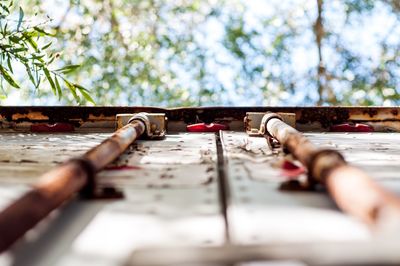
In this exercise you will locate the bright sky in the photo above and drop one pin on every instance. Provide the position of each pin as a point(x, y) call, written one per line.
point(361, 37)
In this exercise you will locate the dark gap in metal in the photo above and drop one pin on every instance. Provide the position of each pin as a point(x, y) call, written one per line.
point(223, 185)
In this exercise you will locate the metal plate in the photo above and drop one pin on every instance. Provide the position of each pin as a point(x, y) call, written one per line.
point(172, 196)
point(259, 212)
point(172, 201)
point(26, 156)
point(166, 163)
point(376, 153)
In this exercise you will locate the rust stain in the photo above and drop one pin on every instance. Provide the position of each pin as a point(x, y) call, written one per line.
point(291, 170)
point(100, 117)
point(121, 167)
point(29, 116)
point(306, 117)
point(348, 127)
point(56, 127)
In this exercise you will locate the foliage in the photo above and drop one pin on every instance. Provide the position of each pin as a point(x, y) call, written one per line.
point(220, 52)
point(22, 41)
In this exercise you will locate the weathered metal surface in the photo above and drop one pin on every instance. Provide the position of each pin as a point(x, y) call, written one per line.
point(103, 118)
point(176, 203)
point(371, 204)
point(255, 126)
point(180, 209)
point(26, 156)
point(164, 164)
point(260, 213)
point(63, 182)
point(155, 123)
point(172, 195)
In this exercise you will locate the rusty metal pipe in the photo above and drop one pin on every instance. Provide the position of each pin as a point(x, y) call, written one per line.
point(62, 183)
point(351, 188)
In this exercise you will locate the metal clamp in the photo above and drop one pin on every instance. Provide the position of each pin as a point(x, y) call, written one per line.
point(255, 122)
point(155, 123)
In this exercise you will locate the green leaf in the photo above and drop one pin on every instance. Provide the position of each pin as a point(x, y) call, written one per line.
point(14, 39)
point(38, 56)
point(3, 97)
point(68, 69)
point(50, 80)
point(46, 46)
point(29, 39)
point(52, 57)
point(17, 50)
point(9, 64)
point(72, 89)
point(21, 17)
point(8, 77)
point(59, 91)
point(43, 32)
point(28, 70)
point(5, 29)
point(85, 93)
point(5, 8)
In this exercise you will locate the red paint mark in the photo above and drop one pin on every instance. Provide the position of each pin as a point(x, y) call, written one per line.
point(351, 128)
point(56, 127)
point(121, 167)
point(203, 127)
point(290, 170)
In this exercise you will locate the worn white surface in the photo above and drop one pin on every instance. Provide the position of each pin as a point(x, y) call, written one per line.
point(171, 198)
point(376, 153)
point(24, 157)
point(168, 163)
point(171, 195)
point(260, 213)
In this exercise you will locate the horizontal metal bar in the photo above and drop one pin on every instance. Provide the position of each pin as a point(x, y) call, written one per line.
point(348, 253)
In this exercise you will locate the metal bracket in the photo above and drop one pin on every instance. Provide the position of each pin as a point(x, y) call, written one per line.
point(156, 123)
point(254, 122)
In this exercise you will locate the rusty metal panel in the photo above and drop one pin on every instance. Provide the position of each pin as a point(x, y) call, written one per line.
point(259, 212)
point(171, 191)
point(170, 188)
point(172, 201)
point(26, 156)
point(99, 118)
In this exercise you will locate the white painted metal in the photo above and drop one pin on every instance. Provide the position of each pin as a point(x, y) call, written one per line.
point(259, 213)
point(171, 198)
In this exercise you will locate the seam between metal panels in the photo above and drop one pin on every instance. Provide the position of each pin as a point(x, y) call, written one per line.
point(223, 185)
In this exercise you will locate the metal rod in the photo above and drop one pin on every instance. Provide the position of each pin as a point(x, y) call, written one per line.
point(309, 253)
point(351, 188)
point(62, 183)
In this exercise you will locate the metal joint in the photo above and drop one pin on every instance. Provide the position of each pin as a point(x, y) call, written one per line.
point(87, 166)
point(321, 163)
point(155, 123)
point(255, 122)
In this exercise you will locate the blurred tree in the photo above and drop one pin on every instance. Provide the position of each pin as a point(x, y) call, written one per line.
point(213, 52)
point(24, 41)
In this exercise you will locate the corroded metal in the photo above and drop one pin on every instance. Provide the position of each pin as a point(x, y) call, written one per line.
point(102, 118)
point(352, 189)
point(155, 123)
point(63, 182)
point(254, 122)
point(173, 193)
